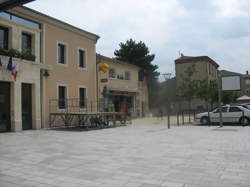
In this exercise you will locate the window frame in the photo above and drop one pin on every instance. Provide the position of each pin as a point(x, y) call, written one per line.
point(67, 96)
point(129, 77)
point(84, 58)
point(65, 53)
point(234, 111)
point(31, 41)
point(86, 96)
point(6, 30)
point(114, 75)
point(218, 110)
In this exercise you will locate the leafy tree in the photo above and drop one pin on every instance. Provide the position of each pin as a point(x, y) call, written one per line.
point(188, 86)
point(207, 91)
point(137, 53)
point(229, 97)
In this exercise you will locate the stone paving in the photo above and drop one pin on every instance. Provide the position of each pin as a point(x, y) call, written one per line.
point(131, 156)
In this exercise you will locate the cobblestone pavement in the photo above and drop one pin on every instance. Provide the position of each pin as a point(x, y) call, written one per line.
point(131, 156)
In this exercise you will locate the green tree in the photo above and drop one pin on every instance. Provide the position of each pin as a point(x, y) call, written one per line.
point(188, 86)
point(208, 91)
point(137, 53)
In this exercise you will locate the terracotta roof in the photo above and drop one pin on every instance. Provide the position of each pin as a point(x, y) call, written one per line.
point(113, 60)
point(184, 59)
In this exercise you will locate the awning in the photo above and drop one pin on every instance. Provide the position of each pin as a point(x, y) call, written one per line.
point(243, 98)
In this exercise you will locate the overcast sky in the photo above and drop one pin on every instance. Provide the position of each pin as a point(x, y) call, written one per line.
point(219, 29)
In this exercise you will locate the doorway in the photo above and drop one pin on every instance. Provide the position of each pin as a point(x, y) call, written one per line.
point(5, 107)
point(27, 106)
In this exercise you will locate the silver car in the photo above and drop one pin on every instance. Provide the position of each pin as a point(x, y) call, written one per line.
point(230, 114)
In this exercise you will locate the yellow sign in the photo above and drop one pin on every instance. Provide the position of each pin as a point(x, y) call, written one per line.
point(104, 67)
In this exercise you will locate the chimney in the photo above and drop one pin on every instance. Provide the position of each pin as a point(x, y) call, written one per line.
point(247, 72)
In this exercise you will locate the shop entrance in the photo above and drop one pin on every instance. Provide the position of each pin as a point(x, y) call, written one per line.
point(4, 107)
point(125, 102)
point(27, 106)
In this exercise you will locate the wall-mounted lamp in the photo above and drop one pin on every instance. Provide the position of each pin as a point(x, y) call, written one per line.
point(46, 73)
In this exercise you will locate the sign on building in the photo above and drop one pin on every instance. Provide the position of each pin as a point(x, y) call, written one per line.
point(231, 83)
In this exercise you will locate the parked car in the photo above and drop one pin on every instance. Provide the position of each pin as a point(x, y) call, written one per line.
point(246, 105)
point(230, 114)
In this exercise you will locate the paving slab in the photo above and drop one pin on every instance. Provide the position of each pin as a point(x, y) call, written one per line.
point(138, 155)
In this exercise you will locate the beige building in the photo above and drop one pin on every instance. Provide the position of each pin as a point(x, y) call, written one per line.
point(206, 68)
point(64, 68)
point(20, 106)
point(120, 86)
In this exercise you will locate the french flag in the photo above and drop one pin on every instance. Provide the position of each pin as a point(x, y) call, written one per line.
point(13, 69)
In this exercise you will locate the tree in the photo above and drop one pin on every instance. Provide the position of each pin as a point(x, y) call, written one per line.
point(188, 86)
point(137, 53)
point(208, 91)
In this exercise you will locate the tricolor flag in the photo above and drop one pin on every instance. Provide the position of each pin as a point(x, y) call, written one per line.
point(9, 66)
point(13, 69)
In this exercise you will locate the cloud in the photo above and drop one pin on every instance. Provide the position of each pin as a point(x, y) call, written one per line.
point(216, 28)
point(232, 8)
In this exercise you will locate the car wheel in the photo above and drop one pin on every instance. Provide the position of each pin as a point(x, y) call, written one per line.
point(244, 121)
point(204, 120)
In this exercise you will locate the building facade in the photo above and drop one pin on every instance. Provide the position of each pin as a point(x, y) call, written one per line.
point(206, 68)
point(120, 87)
point(20, 106)
point(64, 68)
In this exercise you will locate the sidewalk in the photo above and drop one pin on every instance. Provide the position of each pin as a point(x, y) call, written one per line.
point(132, 156)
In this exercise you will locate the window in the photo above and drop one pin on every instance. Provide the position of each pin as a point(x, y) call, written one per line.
point(3, 38)
point(82, 97)
point(26, 43)
point(61, 53)
point(112, 73)
point(224, 109)
point(234, 109)
point(121, 77)
point(247, 81)
point(81, 58)
point(18, 19)
point(127, 75)
point(62, 95)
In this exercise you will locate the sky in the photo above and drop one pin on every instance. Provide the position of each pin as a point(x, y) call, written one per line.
point(219, 29)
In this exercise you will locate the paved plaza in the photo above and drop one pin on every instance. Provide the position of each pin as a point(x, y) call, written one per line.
point(130, 156)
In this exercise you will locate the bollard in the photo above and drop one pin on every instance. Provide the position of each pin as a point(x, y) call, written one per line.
point(182, 118)
point(243, 118)
point(189, 117)
point(168, 120)
point(178, 122)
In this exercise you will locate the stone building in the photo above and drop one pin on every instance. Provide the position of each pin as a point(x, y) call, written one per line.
point(59, 65)
point(120, 85)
